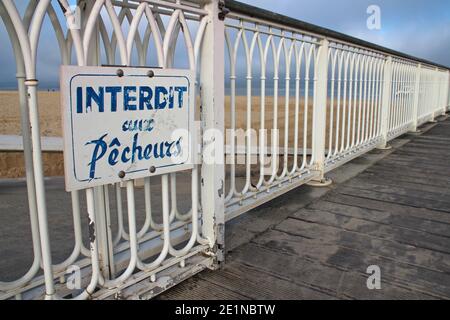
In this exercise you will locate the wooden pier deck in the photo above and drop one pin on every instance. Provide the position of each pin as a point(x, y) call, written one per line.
point(393, 213)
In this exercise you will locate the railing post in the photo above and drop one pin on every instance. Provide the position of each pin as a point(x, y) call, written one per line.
point(445, 94)
point(101, 211)
point(442, 93)
point(212, 87)
point(386, 100)
point(435, 100)
point(416, 98)
point(320, 114)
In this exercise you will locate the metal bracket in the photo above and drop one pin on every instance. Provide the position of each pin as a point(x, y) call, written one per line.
point(325, 182)
point(223, 10)
point(386, 147)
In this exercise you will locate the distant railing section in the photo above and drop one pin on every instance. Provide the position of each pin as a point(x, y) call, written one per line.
point(296, 87)
point(354, 112)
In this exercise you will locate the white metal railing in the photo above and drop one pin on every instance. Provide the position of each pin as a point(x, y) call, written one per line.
point(112, 261)
point(313, 100)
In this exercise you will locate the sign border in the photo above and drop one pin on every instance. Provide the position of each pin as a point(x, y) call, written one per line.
point(67, 73)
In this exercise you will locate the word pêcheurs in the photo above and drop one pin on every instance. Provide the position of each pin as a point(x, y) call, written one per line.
point(129, 98)
point(116, 152)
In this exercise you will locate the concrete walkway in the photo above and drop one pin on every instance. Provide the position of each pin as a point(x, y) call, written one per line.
point(388, 208)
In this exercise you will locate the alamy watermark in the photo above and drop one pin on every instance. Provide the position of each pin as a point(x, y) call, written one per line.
point(73, 280)
point(73, 18)
point(374, 19)
point(374, 280)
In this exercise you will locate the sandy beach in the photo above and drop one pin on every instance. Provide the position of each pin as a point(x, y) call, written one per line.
point(12, 163)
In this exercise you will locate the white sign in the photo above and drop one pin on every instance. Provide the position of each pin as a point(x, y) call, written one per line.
point(125, 123)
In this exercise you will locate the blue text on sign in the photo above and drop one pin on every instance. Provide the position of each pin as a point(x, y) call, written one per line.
point(134, 98)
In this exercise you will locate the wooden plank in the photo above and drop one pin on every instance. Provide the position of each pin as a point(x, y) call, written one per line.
point(391, 217)
point(440, 200)
point(414, 172)
point(418, 212)
point(431, 138)
point(432, 149)
point(393, 273)
point(391, 183)
point(409, 200)
point(436, 147)
point(405, 166)
point(413, 167)
point(301, 260)
point(425, 166)
point(290, 267)
point(435, 135)
point(397, 234)
point(422, 152)
point(427, 178)
point(404, 156)
point(440, 147)
point(404, 177)
point(442, 130)
point(391, 249)
point(427, 144)
point(197, 288)
point(255, 284)
point(421, 156)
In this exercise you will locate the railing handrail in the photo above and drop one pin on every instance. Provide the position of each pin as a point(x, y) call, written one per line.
point(9, 142)
point(258, 13)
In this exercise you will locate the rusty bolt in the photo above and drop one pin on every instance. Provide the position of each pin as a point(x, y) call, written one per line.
point(152, 169)
point(119, 72)
point(122, 174)
point(150, 74)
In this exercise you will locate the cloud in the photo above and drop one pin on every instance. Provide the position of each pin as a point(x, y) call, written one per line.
point(417, 27)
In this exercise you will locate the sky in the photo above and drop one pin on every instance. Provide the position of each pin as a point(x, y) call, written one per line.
point(418, 27)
